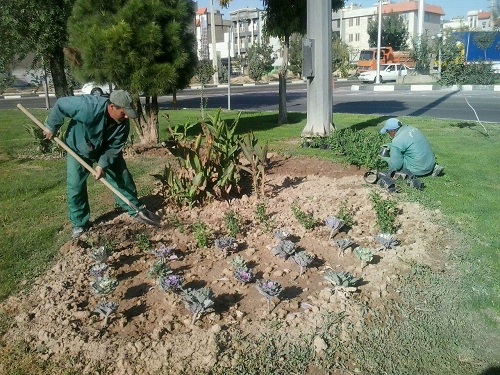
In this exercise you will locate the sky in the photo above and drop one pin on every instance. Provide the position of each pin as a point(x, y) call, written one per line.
point(451, 8)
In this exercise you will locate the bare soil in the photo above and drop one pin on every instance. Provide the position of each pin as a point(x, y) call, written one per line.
point(151, 332)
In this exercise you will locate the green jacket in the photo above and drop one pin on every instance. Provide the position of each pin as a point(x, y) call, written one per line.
point(411, 150)
point(89, 133)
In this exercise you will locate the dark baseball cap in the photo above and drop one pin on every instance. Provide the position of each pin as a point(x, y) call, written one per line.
point(122, 99)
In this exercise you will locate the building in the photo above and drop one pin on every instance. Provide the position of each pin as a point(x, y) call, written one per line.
point(351, 23)
point(480, 21)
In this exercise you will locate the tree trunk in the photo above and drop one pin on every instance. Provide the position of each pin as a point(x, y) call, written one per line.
point(148, 121)
point(55, 62)
point(282, 115)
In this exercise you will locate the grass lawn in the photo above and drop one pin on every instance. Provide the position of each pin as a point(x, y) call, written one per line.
point(33, 221)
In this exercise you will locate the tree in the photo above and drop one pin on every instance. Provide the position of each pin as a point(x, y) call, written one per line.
point(394, 32)
point(421, 53)
point(295, 54)
point(484, 40)
point(341, 56)
point(39, 27)
point(143, 46)
point(260, 60)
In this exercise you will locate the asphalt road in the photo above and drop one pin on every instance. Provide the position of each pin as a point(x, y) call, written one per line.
point(438, 103)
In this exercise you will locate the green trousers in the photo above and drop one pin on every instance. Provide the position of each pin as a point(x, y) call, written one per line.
point(78, 202)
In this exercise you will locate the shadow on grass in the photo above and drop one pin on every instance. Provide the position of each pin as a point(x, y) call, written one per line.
point(468, 125)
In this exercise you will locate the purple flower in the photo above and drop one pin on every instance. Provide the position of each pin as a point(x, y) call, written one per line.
point(243, 275)
point(171, 282)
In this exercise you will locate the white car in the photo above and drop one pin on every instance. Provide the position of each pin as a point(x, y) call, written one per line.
point(91, 88)
point(388, 72)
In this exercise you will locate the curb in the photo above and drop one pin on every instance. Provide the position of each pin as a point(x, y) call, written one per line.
point(374, 87)
point(424, 87)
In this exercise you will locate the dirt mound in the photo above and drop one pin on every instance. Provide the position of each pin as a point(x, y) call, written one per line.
point(152, 329)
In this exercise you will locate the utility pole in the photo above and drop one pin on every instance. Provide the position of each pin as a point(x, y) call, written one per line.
point(379, 40)
point(421, 16)
point(319, 76)
point(214, 43)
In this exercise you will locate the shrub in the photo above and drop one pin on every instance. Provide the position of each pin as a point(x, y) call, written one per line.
point(386, 211)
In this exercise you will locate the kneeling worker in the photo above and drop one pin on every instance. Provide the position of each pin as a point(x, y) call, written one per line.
point(410, 151)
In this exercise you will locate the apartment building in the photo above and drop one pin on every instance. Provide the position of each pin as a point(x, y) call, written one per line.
point(351, 23)
point(478, 20)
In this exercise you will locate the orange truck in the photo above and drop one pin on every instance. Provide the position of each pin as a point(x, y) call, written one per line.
point(368, 58)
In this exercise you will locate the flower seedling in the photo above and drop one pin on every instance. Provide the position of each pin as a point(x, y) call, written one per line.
point(198, 301)
point(304, 218)
point(143, 242)
point(98, 270)
point(388, 241)
point(159, 269)
point(105, 309)
point(343, 245)
point(101, 254)
point(233, 223)
point(364, 255)
point(334, 224)
point(284, 249)
point(171, 283)
point(226, 244)
point(263, 217)
point(104, 286)
point(303, 259)
point(244, 275)
point(341, 279)
point(201, 234)
point(281, 234)
point(240, 270)
point(165, 252)
point(269, 289)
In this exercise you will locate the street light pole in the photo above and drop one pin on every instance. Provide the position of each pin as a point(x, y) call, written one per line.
point(440, 36)
point(379, 40)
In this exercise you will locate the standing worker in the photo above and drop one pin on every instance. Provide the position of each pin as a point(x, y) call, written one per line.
point(97, 132)
point(410, 151)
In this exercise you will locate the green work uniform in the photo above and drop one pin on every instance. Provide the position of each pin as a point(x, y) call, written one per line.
point(411, 151)
point(96, 138)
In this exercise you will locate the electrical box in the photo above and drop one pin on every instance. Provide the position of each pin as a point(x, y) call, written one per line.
point(307, 58)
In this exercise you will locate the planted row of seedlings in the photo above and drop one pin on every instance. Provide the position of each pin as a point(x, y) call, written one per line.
point(201, 301)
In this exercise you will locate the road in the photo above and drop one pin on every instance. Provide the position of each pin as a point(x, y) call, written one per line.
point(438, 103)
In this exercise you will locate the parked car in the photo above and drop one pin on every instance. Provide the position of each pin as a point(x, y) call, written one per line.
point(96, 89)
point(388, 72)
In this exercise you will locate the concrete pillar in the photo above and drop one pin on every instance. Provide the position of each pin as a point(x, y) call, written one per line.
point(319, 87)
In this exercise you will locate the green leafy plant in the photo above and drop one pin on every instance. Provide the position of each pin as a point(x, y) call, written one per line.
point(364, 255)
point(201, 234)
point(159, 269)
point(105, 309)
point(206, 166)
point(302, 259)
point(143, 242)
point(284, 249)
point(257, 159)
point(233, 223)
point(346, 214)
point(263, 217)
point(386, 211)
point(341, 279)
point(100, 254)
point(388, 241)
point(358, 147)
point(306, 219)
point(104, 286)
point(198, 301)
point(343, 245)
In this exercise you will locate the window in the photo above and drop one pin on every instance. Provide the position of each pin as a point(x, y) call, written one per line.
point(357, 37)
point(357, 21)
point(338, 24)
point(350, 38)
point(351, 22)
